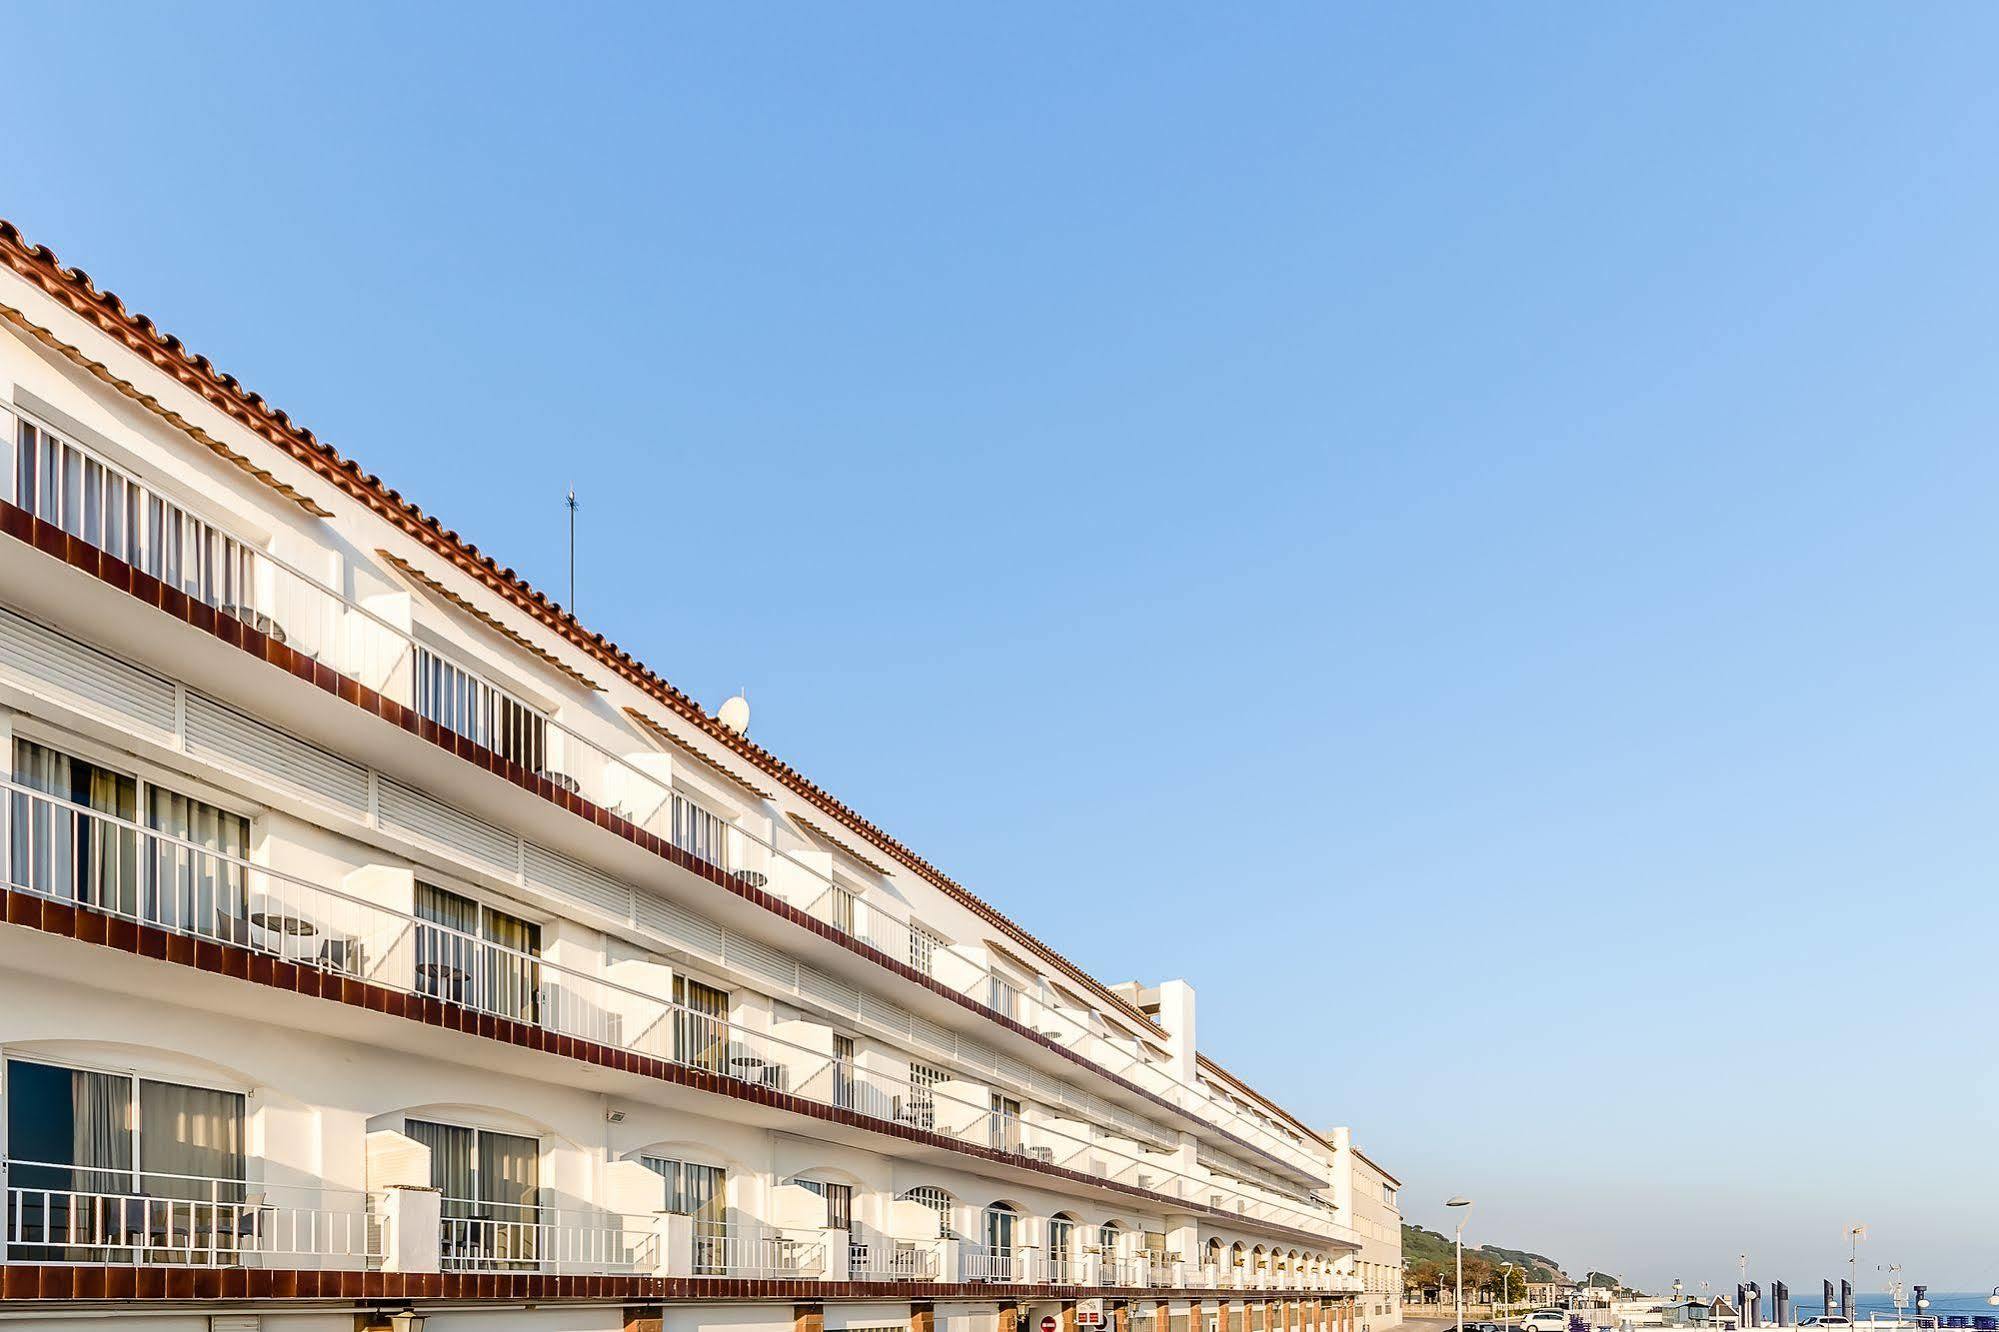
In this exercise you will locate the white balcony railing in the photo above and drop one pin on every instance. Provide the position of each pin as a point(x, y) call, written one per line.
point(479, 1236)
point(62, 851)
point(892, 1261)
point(106, 506)
point(726, 1249)
point(989, 1264)
point(108, 1216)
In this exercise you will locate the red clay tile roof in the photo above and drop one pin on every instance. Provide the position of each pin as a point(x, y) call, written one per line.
point(73, 287)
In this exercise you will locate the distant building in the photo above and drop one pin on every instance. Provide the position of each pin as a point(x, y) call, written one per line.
point(1367, 1198)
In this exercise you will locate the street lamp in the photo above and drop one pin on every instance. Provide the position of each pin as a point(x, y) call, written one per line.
point(1505, 1286)
point(1459, 1200)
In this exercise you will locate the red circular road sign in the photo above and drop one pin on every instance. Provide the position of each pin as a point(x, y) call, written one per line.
point(1048, 1323)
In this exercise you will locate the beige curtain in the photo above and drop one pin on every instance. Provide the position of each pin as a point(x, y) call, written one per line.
point(190, 1142)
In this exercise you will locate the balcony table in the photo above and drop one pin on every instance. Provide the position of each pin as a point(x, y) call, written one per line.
point(446, 981)
point(291, 930)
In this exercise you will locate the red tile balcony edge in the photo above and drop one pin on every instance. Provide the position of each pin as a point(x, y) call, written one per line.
point(86, 923)
point(71, 1283)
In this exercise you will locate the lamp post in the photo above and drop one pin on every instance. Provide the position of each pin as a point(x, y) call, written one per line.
point(1505, 1286)
point(1460, 1200)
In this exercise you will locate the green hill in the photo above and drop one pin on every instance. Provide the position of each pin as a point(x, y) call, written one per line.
point(1425, 1252)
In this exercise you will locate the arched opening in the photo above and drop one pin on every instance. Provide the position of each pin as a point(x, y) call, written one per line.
point(999, 1239)
point(838, 1193)
point(938, 1201)
point(1061, 1247)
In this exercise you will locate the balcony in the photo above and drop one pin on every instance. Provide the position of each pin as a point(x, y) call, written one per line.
point(101, 1215)
point(105, 506)
point(475, 1236)
point(892, 1261)
point(63, 852)
point(726, 1249)
point(989, 1264)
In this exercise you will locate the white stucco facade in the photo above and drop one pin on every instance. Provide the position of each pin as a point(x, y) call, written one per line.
point(378, 943)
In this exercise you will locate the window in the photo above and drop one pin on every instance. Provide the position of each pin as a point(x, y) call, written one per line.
point(61, 483)
point(1001, 1221)
point(68, 854)
point(1005, 1123)
point(94, 854)
point(472, 954)
point(923, 946)
point(843, 1071)
point(1061, 1247)
point(484, 713)
point(701, 1025)
point(923, 1081)
point(491, 1187)
point(698, 832)
point(699, 1191)
point(92, 1156)
point(839, 1201)
point(937, 1201)
point(1003, 996)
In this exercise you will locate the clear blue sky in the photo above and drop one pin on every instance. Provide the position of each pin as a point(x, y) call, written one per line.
point(1465, 531)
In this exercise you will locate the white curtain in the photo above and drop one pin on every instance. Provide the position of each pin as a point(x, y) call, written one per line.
point(191, 890)
point(67, 854)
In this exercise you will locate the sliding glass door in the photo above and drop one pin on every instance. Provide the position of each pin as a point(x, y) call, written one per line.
point(455, 961)
point(66, 853)
point(94, 854)
point(491, 1187)
point(110, 1167)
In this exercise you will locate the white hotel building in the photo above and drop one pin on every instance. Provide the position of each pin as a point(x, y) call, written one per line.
point(383, 949)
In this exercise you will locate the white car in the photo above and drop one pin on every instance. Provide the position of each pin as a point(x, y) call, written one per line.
point(1828, 1321)
point(1545, 1320)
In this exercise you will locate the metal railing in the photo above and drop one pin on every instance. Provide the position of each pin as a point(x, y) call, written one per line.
point(105, 506)
point(891, 1261)
point(988, 1264)
point(180, 1220)
point(477, 1236)
point(733, 1249)
point(65, 852)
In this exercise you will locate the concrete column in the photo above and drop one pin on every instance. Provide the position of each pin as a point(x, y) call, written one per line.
point(922, 1316)
point(674, 1238)
point(1009, 1316)
point(1067, 1322)
point(808, 1318)
point(412, 1239)
point(839, 1255)
point(1121, 1316)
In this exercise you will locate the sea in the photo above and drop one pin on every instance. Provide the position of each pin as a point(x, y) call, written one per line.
point(1805, 1302)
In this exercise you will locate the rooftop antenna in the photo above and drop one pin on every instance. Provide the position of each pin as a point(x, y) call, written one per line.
point(571, 503)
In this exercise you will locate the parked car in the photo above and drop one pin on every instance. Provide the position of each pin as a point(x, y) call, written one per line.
point(1828, 1320)
point(1545, 1320)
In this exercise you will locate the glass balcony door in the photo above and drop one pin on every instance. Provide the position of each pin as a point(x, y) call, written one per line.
point(111, 1167)
point(491, 1187)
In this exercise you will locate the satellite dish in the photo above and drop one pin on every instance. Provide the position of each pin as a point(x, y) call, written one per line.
point(735, 715)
